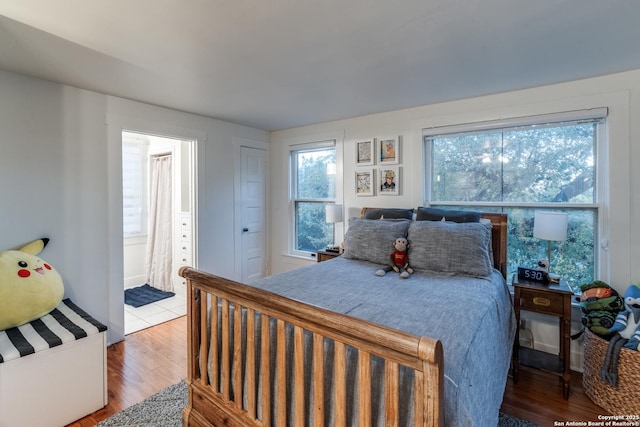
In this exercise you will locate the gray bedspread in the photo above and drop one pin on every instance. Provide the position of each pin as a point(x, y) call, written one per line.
point(473, 318)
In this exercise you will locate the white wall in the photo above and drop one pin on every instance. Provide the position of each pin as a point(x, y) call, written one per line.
point(53, 172)
point(134, 257)
point(619, 92)
point(60, 170)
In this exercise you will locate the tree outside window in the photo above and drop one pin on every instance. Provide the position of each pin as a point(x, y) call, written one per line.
point(313, 187)
point(517, 171)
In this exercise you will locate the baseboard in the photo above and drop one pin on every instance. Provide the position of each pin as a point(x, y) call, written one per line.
point(132, 282)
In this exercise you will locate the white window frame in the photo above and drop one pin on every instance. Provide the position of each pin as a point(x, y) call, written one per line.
point(601, 169)
point(293, 149)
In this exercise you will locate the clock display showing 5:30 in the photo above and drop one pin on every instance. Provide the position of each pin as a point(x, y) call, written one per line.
point(531, 274)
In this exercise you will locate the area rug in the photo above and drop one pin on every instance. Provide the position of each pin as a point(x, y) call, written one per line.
point(143, 295)
point(164, 409)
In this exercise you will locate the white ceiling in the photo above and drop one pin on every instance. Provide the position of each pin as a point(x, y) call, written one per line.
point(284, 63)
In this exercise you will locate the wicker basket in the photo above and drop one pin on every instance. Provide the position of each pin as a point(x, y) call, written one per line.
point(623, 399)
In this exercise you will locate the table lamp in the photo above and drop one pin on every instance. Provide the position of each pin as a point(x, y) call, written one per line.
point(550, 226)
point(333, 214)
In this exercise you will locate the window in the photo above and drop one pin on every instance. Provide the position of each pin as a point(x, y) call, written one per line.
point(547, 163)
point(133, 185)
point(313, 186)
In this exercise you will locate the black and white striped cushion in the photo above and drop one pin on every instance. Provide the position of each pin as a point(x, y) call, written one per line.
point(67, 322)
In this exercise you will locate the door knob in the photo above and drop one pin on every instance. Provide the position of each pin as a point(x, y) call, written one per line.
point(245, 229)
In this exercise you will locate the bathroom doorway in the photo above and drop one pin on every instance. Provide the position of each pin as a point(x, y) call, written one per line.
point(158, 177)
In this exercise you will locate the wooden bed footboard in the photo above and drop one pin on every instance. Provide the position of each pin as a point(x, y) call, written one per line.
point(233, 379)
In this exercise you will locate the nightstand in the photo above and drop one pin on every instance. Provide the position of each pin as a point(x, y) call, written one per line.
point(325, 255)
point(553, 299)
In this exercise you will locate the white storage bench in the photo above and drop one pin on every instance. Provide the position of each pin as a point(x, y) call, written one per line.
point(53, 370)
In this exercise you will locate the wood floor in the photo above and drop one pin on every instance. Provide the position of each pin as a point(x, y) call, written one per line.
point(155, 358)
point(143, 364)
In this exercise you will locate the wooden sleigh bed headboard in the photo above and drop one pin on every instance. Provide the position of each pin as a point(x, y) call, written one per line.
point(232, 377)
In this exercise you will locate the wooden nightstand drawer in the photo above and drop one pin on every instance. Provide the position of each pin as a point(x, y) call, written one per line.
point(325, 255)
point(542, 302)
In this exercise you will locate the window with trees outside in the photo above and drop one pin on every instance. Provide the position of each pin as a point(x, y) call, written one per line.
point(546, 163)
point(313, 186)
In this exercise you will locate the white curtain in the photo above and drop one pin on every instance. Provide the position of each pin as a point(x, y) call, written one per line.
point(159, 241)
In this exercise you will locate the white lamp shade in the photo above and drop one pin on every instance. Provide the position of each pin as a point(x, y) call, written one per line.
point(550, 225)
point(333, 213)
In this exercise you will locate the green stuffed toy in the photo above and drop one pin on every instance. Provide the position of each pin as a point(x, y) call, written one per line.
point(29, 287)
point(600, 304)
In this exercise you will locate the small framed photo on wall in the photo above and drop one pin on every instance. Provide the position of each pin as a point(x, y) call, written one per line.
point(365, 152)
point(388, 151)
point(389, 181)
point(364, 182)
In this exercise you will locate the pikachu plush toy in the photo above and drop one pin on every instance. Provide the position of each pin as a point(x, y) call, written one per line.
point(29, 287)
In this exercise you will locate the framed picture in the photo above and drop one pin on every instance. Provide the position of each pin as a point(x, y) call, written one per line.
point(389, 183)
point(365, 152)
point(364, 182)
point(388, 151)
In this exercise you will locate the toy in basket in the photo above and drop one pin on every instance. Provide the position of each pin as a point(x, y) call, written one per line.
point(626, 332)
point(600, 304)
point(611, 376)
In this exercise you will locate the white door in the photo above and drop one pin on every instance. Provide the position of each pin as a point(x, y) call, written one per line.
point(253, 196)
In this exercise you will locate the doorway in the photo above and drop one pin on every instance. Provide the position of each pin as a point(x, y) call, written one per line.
point(158, 211)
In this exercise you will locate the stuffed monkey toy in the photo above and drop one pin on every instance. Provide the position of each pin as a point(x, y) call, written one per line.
point(399, 259)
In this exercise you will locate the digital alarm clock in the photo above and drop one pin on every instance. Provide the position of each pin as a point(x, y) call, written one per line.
point(533, 275)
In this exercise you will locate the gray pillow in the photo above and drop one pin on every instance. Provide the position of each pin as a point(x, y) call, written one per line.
point(450, 248)
point(372, 240)
point(389, 214)
point(436, 214)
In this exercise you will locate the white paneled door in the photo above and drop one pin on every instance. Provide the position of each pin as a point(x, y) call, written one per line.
point(253, 196)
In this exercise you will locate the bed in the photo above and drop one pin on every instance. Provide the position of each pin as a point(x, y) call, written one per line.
point(334, 344)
